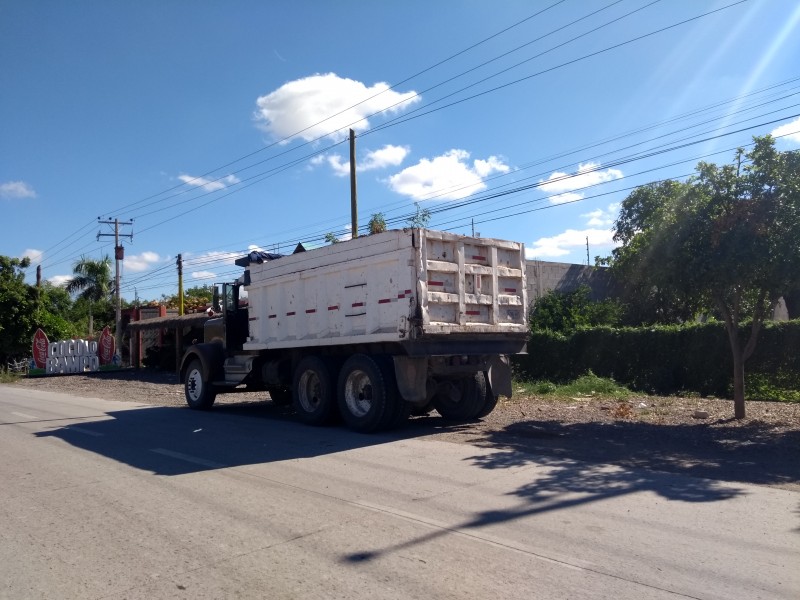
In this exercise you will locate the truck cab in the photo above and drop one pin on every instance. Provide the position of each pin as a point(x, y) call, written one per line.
point(230, 327)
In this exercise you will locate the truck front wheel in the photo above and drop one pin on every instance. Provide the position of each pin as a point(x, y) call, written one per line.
point(200, 394)
point(313, 392)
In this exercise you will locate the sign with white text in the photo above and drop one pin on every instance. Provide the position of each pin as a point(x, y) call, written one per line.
point(72, 356)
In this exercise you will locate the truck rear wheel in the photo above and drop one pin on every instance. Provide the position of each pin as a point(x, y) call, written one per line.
point(462, 399)
point(489, 402)
point(200, 394)
point(368, 397)
point(313, 391)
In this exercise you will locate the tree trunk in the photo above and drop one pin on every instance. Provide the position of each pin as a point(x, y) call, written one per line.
point(738, 385)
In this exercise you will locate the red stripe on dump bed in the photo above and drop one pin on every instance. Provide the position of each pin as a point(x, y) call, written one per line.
point(272, 316)
point(310, 310)
point(333, 307)
point(290, 314)
point(473, 313)
point(253, 319)
point(475, 257)
point(407, 292)
point(439, 283)
point(512, 290)
point(384, 300)
point(357, 304)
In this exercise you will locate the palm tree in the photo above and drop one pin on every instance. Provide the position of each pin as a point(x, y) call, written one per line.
point(92, 282)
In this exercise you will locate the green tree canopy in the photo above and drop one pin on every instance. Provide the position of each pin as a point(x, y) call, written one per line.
point(377, 223)
point(566, 312)
point(18, 300)
point(420, 218)
point(728, 239)
point(92, 282)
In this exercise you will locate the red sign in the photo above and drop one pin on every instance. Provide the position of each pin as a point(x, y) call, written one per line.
point(105, 347)
point(40, 347)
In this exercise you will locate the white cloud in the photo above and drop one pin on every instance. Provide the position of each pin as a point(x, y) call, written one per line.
point(569, 241)
point(566, 197)
point(388, 156)
point(59, 280)
point(790, 130)
point(203, 275)
point(602, 217)
point(321, 105)
point(448, 176)
point(599, 232)
point(16, 189)
point(563, 185)
point(336, 162)
point(484, 168)
point(36, 256)
point(141, 262)
point(209, 185)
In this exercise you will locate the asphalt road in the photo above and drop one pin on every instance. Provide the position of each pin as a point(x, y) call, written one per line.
point(101, 499)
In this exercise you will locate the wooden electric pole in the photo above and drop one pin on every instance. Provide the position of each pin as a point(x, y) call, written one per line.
point(119, 256)
point(353, 193)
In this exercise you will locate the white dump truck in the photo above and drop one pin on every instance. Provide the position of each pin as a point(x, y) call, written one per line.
point(372, 329)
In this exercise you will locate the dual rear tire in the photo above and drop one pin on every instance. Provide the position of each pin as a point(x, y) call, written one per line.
point(365, 393)
point(465, 399)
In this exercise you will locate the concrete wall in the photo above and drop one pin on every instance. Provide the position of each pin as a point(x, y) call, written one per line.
point(544, 276)
point(565, 277)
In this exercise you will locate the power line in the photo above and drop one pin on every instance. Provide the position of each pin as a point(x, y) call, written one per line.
point(262, 176)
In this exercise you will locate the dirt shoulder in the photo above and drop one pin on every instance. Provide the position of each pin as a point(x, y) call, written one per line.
point(657, 433)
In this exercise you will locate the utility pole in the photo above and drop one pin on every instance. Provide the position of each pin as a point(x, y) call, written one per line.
point(353, 193)
point(119, 256)
point(179, 262)
point(587, 250)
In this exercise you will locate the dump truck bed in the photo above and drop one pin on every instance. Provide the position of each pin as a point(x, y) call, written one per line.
point(406, 286)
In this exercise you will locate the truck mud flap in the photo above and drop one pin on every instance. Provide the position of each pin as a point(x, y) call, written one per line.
point(411, 373)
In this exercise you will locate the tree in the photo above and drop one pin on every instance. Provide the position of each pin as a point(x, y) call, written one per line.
point(330, 238)
point(18, 300)
point(420, 218)
point(565, 312)
point(54, 313)
point(377, 223)
point(193, 298)
point(727, 240)
point(92, 282)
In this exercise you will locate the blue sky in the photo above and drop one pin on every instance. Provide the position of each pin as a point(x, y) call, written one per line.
point(219, 126)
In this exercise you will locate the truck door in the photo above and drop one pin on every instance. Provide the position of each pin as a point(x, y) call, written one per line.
point(236, 322)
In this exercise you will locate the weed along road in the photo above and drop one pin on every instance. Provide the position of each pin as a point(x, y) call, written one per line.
point(103, 499)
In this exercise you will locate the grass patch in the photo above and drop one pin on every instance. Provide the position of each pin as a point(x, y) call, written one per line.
point(7, 376)
point(588, 386)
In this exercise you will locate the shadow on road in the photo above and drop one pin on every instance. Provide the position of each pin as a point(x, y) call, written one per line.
point(567, 464)
point(176, 441)
point(747, 453)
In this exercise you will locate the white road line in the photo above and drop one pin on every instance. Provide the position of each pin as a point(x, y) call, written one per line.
point(24, 415)
point(86, 431)
point(192, 459)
